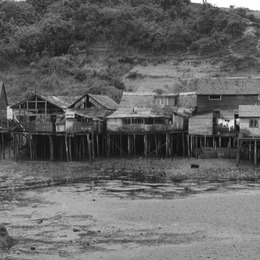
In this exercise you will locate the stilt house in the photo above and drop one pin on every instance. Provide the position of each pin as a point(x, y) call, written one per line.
point(38, 113)
point(146, 123)
point(86, 114)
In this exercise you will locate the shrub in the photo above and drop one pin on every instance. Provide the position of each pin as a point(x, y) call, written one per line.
point(58, 35)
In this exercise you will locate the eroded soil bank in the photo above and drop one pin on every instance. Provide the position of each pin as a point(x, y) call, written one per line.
point(198, 217)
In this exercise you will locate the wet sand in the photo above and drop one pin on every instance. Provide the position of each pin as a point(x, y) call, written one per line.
point(88, 222)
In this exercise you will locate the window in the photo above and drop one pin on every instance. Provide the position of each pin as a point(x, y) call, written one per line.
point(214, 97)
point(253, 123)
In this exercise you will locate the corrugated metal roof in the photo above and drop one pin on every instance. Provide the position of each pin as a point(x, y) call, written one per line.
point(225, 86)
point(105, 101)
point(249, 111)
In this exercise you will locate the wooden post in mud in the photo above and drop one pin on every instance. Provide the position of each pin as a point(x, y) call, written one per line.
point(255, 152)
point(121, 145)
point(30, 146)
point(134, 144)
point(93, 145)
point(188, 142)
point(250, 151)
point(97, 141)
point(51, 147)
point(83, 147)
point(238, 152)
point(156, 144)
point(145, 145)
point(66, 147)
point(108, 145)
point(70, 148)
point(129, 144)
point(166, 145)
point(183, 145)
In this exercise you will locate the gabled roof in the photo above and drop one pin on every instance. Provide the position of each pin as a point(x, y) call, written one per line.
point(105, 101)
point(249, 111)
point(3, 92)
point(225, 86)
point(59, 101)
point(142, 105)
point(91, 113)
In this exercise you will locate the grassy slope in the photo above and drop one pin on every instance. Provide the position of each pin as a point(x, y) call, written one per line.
point(104, 67)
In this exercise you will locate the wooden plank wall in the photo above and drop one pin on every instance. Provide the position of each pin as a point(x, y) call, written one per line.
point(245, 130)
point(201, 124)
point(227, 102)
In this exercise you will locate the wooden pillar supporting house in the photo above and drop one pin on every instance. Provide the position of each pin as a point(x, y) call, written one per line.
point(129, 144)
point(145, 145)
point(183, 144)
point(51, 148)
point(255, 152)
point(238, 152)
point(66, 148)
point(250, 151)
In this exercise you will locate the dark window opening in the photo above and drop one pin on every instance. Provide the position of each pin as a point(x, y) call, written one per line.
point(253, 123)
point(214, 97)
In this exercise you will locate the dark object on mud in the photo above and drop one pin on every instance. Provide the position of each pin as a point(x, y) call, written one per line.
point(194, 166)
point(6, 241)
point(76, 229)
point(33, 248)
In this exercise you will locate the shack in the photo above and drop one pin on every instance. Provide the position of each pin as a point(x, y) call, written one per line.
point(146, 124)
point(249, 135)
point(38, 113)
point(212, 134)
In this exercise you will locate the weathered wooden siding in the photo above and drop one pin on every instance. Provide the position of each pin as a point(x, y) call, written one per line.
point(201, 124)
point(227, 102)
point(116, 125)
point(245, 130)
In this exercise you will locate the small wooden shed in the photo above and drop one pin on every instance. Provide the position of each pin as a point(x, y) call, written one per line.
point(249, 119)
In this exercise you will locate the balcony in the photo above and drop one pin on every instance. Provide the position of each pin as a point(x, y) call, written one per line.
point(143, 128)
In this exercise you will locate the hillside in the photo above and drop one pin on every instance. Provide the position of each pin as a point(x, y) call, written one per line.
point(68, 47)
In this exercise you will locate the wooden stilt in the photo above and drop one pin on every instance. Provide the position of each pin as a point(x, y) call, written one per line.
point(70, 147)
point(191, 146)
point(89, 147)
point(31, 147)
point(129, 144)
point(93, 145)
point(255, 152)
point(97, 141)
point(238, 152)
point(250, 151)
point(121, 145)
point(167, 145)
point(145, 145)
point(108, 145)
point(134, 144)
point(156, 144)
point(51, 147)
point(66, 148)
point(188, 142)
